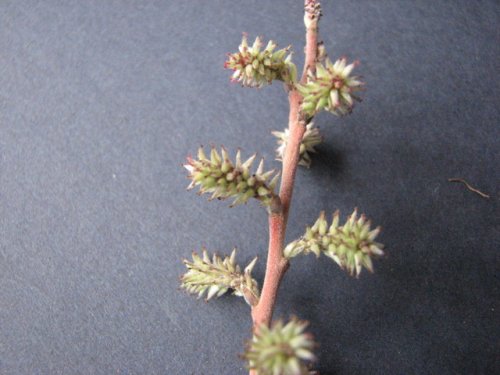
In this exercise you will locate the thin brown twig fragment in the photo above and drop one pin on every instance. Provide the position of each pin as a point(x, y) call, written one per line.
point(468, 186)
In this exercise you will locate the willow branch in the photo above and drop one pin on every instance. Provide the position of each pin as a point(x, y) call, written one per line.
point(277, 264)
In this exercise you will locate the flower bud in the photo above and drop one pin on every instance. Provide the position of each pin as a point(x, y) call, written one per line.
point(312, 14)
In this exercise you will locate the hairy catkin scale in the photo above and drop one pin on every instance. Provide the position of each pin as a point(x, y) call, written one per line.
point(351, 246)
point(222, 178)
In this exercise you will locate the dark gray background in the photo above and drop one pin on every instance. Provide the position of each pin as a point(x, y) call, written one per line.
point(100, 102)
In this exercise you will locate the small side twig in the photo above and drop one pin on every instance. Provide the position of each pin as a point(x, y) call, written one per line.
point(484, 195)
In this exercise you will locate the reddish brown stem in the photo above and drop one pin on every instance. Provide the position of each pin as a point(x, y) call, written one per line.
point(277, 264)
point(311, 52)
point(275, 269)
point(292, 152)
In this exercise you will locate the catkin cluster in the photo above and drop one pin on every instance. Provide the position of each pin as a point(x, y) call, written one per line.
point(254, 67)
point(351, 245)
point(331, 88)
point(218, 175)
point(281, 349)
point(216, 276)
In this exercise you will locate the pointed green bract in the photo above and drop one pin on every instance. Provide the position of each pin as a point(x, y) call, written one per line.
point(310, 139)
point(215, 276)
point(351, 246)
point(282, 349)
point(254, 67)
point(218, 175)
point(331, 88)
